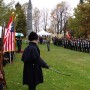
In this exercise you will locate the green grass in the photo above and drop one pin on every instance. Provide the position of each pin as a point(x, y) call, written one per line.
point(77, 64)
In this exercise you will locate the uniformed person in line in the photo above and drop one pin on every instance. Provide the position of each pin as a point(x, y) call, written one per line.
point(88, 47)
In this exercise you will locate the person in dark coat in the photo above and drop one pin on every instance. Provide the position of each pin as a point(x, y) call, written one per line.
point(33, 63)
point(19, 43)
point(40, 40)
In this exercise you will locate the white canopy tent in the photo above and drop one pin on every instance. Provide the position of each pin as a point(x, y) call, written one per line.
point(42, 32)
point(0, 31)
point(19, 34)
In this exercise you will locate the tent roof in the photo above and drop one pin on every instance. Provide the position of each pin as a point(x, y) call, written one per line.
point(19, 34)
point(42, 32)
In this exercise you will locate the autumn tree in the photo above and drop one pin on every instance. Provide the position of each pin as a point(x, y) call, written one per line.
point(59, 17)
point(73, 26)
point(82, 17)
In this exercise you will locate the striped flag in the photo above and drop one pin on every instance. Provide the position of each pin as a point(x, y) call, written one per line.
point(68, 35)
point(9, 36)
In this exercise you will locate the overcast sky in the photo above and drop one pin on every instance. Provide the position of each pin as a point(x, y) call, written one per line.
point(50, 4)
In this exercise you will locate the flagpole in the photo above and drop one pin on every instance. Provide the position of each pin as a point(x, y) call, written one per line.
point(9, 39)
point(14, 17)
point(2, 51)
point(14, 34)
point(11, 54)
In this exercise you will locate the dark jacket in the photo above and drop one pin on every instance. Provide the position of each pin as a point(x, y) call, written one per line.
point(19, 42)
point(32, 72)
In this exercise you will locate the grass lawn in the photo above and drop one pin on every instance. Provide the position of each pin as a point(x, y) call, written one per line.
point(77, 64)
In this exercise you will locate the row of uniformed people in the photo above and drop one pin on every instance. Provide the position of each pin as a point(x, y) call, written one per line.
point(82, 45)
point(77, 44)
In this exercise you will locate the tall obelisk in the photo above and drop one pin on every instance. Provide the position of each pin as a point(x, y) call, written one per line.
point(29, 18)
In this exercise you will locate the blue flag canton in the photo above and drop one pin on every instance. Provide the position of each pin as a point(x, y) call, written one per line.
point(12, 27)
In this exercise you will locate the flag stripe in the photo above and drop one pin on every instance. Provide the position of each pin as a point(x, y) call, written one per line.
point(68, 35)
point(9, 42)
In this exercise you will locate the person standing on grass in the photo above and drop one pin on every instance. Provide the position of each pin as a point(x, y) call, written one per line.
point(33, 63)
point(48, 43)
point(19, 43)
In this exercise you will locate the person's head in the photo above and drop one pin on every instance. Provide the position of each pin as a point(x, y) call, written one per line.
point(33, 36)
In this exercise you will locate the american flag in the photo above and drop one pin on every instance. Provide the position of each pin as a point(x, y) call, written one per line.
point(9, 36)
point(68, 35)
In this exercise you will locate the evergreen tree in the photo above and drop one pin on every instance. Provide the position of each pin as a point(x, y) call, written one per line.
point(5, 12)
point(2, 11)
point(20, 19)
point(81, 1)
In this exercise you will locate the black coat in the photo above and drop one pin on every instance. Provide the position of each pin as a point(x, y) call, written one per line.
point(32, 72)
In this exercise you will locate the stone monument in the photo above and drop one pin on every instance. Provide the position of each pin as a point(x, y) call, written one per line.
point(29, 18)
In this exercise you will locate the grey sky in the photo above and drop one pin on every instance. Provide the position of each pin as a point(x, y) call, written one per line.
point(50, 4)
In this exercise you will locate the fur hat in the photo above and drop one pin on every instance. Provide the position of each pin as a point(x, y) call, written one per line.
point(32, 36)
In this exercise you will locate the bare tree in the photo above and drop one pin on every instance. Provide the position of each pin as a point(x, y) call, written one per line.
point(45, 19)
point(11, 4)
point(36, 19)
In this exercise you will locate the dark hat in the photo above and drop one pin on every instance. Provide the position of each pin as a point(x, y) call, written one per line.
point(32, 36)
